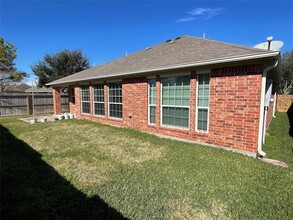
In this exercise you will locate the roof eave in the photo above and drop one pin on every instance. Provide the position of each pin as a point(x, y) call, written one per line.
point(185, 65)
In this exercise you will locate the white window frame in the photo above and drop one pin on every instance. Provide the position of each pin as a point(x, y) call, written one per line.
point(177, 106)
point(151, 105)
point(115, 102)
point(94, 102)
point(197, 107)
point(80, 88)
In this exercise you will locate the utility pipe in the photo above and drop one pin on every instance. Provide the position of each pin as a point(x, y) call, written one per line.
point(274, 106)
point(264, 127)
point(261, 111)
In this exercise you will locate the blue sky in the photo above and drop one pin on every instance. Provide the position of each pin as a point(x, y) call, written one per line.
point(105, 30)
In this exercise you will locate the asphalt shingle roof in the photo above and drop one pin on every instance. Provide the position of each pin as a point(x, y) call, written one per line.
point(179, 51)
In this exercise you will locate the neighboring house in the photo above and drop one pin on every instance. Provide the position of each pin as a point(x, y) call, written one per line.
point(16, 88)
point(189, 88)
point(39, 89)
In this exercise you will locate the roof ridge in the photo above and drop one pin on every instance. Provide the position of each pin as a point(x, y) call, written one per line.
point(229, 44)
point(189, 50)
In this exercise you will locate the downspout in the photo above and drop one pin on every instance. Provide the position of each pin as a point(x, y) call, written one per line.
point(261, 111)
point(274, 106)
point(264, 127)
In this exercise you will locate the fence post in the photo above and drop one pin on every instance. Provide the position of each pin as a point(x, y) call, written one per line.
point(29, 104)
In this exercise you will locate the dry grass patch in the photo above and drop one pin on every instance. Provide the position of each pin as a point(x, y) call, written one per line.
point(183, 209)
point(120, 147)
point(83, 174)
point(61, 137)
point(129, 150)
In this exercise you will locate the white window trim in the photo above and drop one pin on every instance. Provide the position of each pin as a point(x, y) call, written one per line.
point(86, 113)
point(177, 106)
point(114, 102)
point(94, 113)
point(151, 105)
point(196, 105)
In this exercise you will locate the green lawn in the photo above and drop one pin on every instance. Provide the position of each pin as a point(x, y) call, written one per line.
point(76, 169)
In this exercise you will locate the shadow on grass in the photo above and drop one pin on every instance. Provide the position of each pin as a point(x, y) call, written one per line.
point(290, 117)
point(32, 189)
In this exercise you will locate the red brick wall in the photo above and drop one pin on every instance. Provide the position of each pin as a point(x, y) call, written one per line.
point(57, 100)
point(233, 111)
point(74, 108)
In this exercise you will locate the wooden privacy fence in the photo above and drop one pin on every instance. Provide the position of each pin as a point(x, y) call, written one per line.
point(22, 103)
point(284, 102)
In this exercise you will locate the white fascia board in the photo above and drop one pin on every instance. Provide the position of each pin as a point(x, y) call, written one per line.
point(185, 65)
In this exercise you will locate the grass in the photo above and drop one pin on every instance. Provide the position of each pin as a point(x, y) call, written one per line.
point(81, 169)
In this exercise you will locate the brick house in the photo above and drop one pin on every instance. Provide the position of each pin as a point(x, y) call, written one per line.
point(188, 88)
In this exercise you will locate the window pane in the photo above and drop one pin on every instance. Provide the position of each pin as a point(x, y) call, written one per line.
point(115, 110)
point(174, 116)
point(85, 93)
point(115, 100)
point(202, 119)
point(176, 91)
point(85, 107)
point(152, 114)
point(184, 123)
point(152, 100)
point(153, 110)
point(99, 93)
point(115, 92)
point(203, 101)
point(176, 94)
point(203, 90)
point(99, 109)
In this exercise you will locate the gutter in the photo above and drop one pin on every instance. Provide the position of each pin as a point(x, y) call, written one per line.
point(262, 111)
point(185, 65)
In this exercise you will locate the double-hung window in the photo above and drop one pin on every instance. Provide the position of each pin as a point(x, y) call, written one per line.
point(85, 99)
point(152, 101)
point(203, 94)
point(175, 101)
point(99, 102)
point(115, 100)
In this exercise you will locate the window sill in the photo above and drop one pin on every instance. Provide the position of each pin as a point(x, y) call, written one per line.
point(86, 114)
point(151, 125)
point(99, 116)
point(115, 119)
point(202, 132)
point(170, 128)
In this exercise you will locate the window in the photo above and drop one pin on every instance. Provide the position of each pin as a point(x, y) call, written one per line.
point(203, 93)
point(99, 103)
point(73, 96)
point(152, 101)
point(115, 100)
point(85, 99)
point(175, 101)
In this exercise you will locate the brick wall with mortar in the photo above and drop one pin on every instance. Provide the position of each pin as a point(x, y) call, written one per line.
point(233, 108)
point(57, 100)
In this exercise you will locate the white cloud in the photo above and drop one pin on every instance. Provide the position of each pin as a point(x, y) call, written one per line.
point(185, 19)
point(201, 13)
